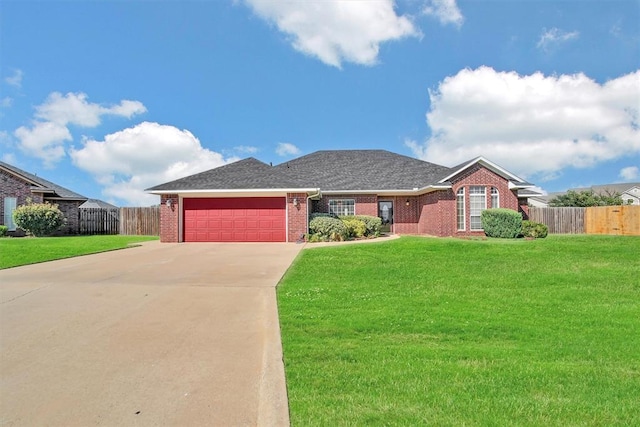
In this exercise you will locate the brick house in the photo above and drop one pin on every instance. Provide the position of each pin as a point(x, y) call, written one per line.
point(18, 186)
point(251, 201)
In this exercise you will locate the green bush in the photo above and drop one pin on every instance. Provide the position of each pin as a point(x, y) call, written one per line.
point(328, 228)
point(534, 230)
point(3, 230)
point(355, 227)
point(501, 223)
point(39, 219)
point(373, 224)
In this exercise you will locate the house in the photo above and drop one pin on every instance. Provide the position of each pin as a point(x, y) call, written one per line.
point(629, 192)
point(18, 186)
point(251, 201)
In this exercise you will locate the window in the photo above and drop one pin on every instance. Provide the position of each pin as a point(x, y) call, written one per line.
point(342, 207)
point(460, 208)
point(477, 203)
point(9, 207)
point(495, 198)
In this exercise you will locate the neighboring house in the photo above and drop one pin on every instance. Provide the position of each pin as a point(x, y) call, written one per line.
point(97, 204)
point(251, 201)
point(18, 186)
point(629, 192)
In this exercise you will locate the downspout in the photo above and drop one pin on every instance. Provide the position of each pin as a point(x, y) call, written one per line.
point(318, 194)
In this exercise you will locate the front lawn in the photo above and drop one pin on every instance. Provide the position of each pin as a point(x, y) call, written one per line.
point(426, 331)
point(30, 250)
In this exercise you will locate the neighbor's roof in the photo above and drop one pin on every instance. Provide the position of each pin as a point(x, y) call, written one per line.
point(362, 170)
point(53, 191)
point(244, 174)
point(96, 204)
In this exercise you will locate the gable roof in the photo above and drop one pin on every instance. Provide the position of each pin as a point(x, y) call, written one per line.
point(514, 180)
point(244, 174)
point(363, 170)
point(41, 185)
point(96, 204)
point(332, 171)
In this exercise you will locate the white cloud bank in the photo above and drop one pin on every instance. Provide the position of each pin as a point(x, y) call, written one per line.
point(446, 11)
point(148, 154)
point(337, 31)
point(287, 149)
point(533, 125)
point(45, 138)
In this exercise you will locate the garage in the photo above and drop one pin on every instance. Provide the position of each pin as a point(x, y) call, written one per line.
point(235, 219)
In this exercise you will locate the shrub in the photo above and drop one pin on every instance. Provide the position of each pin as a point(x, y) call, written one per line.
point(328, 228)
point(535, 230)
point(3, 230)
point(373, 224)
point(502, 223)
point(39, 219)
point(355, 227)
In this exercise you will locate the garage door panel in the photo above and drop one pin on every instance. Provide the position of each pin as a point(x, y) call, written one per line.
point(258, 219)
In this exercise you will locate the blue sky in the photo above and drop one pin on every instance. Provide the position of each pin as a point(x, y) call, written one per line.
point(109, 98)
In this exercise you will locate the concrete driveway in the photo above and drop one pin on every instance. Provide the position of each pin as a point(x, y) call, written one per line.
point(162, 334)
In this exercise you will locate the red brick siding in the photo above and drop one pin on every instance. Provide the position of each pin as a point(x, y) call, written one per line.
point(437, 214)
point(13, 186)
point(480, 176)
point(296, 216)
point(169, 219)
point(365, 204)
point(405, 217)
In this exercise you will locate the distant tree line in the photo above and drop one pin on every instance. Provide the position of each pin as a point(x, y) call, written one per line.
point(586, 198)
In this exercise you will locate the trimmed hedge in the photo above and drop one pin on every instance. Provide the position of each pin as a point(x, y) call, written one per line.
point(328, 228)
point(535, 230)
point(501, 223)
point(355, 227)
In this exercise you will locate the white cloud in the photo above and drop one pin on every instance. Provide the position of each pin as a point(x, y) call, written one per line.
point(554, 37)
point(446, 11)
point(532, 125)
point(73, 108)
point(148, 154)
point(247, 149)
point(6, 102)
point(44, 140)
point(46, 136)
point(337, 31)
point(630, 173)
point(15, 79)
point(286, 149)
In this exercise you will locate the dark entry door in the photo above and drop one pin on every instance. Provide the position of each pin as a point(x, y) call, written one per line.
point(385, 212)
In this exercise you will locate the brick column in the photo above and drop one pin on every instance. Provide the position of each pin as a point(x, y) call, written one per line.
point(169, 219)
point(297, 215)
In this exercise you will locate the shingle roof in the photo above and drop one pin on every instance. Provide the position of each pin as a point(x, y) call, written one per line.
point(44, 185)
point(96, 204)
point(249, 173)
point(362, 170)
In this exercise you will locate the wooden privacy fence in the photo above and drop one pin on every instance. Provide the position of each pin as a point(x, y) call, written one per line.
point(621, 220)
point(559, 220)
point(127, 221)
point(99, 221)
point(140, 221)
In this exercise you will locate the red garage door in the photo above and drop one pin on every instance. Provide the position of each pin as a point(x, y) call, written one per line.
point(257, 219)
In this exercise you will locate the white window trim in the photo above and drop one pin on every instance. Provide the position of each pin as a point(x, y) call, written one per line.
point(343, 200)
point(461, 193)
point(497, 195)
point(470, 206)
point(8, 216)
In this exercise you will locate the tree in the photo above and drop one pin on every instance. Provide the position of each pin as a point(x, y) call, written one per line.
point(38, 219)
point(586, 198)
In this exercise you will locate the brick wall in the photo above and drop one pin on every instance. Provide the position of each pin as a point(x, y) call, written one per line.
point(296, 216)
point(405, 216)
point(169, 219)
point(365, 204)
point(481, 176)
point(437, 213)
point(69, 209)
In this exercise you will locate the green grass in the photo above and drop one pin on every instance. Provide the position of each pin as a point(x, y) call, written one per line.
point(30, 250)
point(425, 331)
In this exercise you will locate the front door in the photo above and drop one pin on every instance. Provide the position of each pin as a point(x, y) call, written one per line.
point(385, 212)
